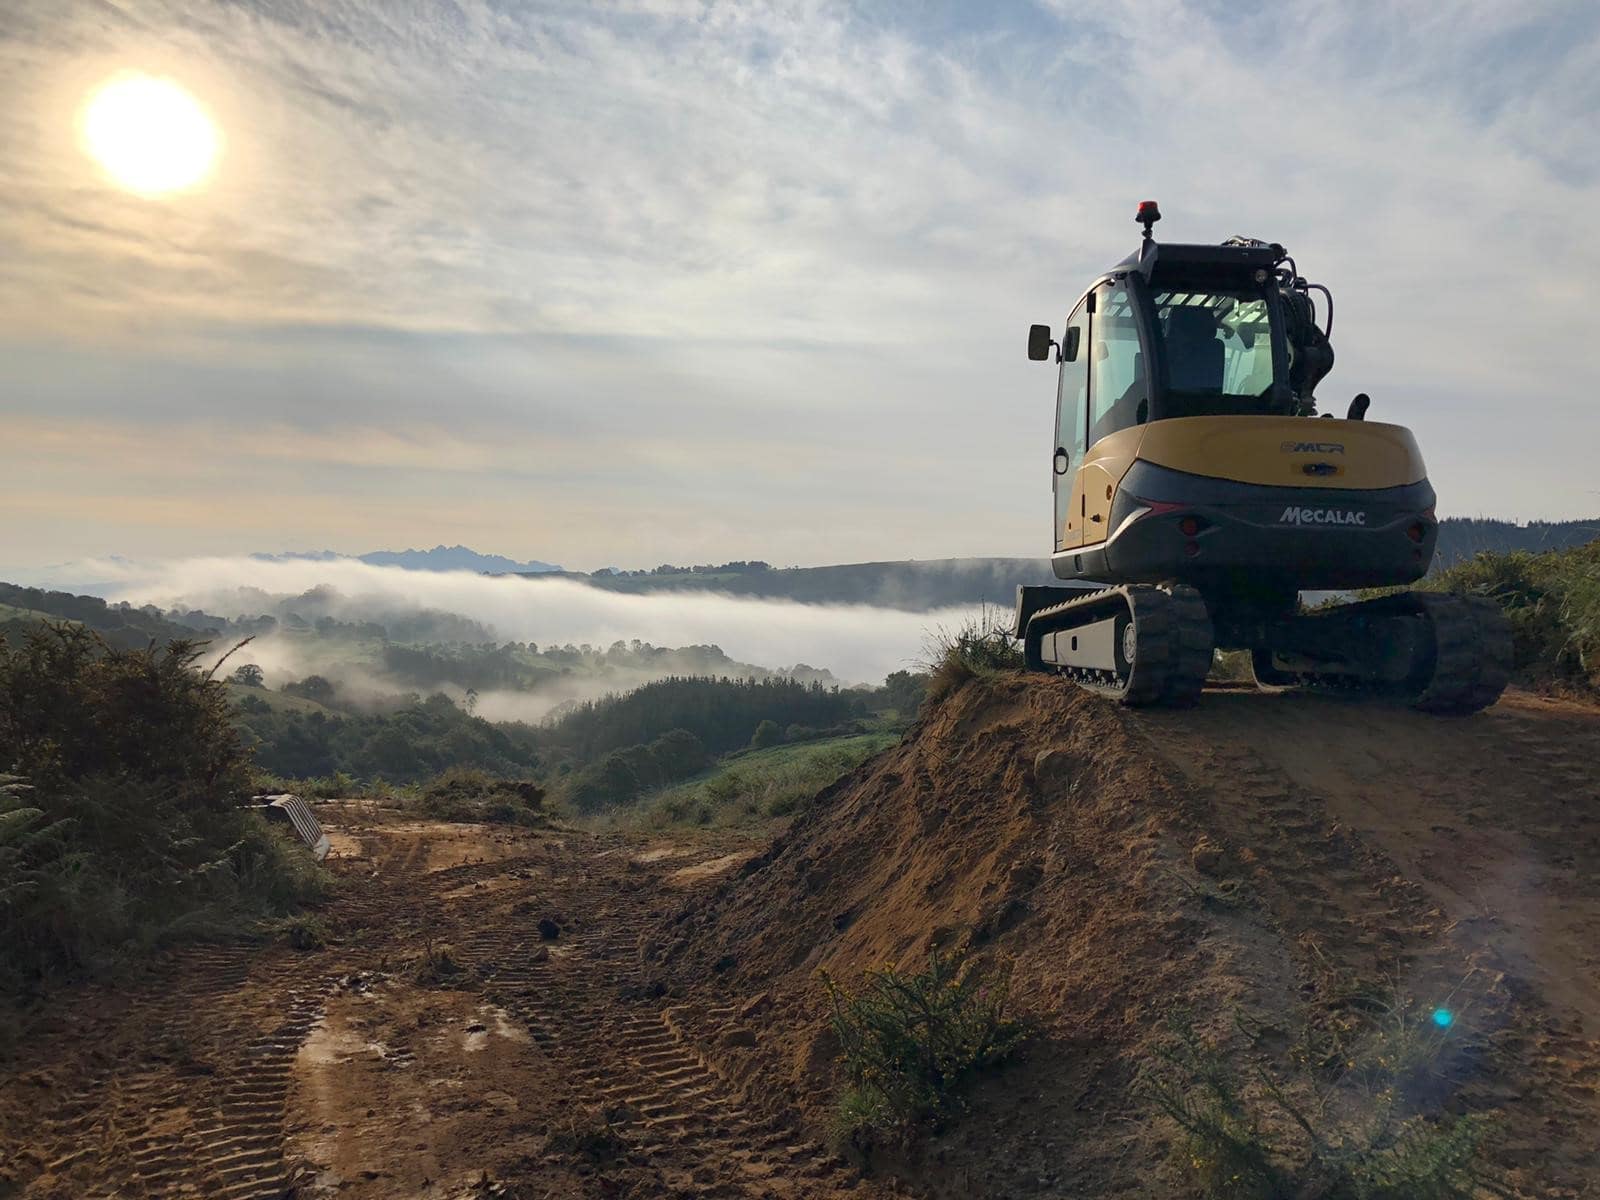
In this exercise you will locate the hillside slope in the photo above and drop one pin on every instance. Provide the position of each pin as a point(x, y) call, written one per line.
point(1270, 857)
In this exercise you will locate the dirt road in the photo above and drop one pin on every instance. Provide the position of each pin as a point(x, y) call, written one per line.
point(538, 1014)
point(477, 1026)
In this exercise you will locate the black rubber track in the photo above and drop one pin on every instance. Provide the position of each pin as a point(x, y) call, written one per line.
point(1469, 667)
point(1173, 642)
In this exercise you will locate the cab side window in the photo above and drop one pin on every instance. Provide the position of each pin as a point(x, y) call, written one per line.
point(1119, 394)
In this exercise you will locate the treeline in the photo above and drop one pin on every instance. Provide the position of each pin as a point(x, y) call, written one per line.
point(722, 713)
point(408, 745)
point(621, 776)
point(1462, 537)
point(525, 666)
point(120, 624)
point(736, 567)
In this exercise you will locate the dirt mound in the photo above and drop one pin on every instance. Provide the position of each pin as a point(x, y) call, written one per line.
point(1120, 865)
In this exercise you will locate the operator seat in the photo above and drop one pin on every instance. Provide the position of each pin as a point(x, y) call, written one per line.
point(1194, 353)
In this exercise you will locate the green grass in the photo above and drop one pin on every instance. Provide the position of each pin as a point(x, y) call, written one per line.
point(10, 612)
point(276, 701)
point(757, 784)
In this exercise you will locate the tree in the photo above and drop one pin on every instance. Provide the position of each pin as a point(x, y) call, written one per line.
point(250, 675)
point(905, 691)
point(766, 734)
point(312, 687)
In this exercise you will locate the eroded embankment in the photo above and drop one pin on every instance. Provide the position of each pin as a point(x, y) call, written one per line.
point(1265, 855)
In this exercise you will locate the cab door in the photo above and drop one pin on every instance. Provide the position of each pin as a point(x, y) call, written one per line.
point(1072, 427)
point(1119, 400)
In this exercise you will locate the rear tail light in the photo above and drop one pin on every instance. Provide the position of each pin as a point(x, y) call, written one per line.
point(1415, 531)
point(1157, 508)
point(1189, 526)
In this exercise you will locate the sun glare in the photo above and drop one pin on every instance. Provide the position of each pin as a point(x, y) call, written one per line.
point(149, 135)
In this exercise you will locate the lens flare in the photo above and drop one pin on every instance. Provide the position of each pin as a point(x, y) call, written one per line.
point(1443, 1018)
point(148, 134)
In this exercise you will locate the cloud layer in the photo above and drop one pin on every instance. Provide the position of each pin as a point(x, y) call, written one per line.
point(860, 644)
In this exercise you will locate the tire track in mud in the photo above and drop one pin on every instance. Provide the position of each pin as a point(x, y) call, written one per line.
point(134, 1124)
point(1335, 890)
point(1324, 890)
point(189, 1096)
point(242, 1156)
point(579, 1000)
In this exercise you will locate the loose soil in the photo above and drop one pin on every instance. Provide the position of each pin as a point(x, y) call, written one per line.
point(520, 1013)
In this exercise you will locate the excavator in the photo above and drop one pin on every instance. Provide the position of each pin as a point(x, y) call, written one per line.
point(1199, 496)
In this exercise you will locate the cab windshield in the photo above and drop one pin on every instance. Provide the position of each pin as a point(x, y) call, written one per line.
point(1217, 351)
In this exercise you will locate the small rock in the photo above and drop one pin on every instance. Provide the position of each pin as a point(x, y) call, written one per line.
point(1056, 770)
point(539, 955)
point(1024, 876)
point(548, 929)
point(755, 1006)
point(739, 1037)
point(1206, 856)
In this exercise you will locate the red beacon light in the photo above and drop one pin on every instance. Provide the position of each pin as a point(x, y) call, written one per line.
point(1149, 213)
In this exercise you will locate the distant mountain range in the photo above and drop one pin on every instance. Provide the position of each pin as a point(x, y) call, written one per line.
point(440, 558)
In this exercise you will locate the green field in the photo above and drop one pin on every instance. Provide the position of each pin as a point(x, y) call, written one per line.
point(758, 784)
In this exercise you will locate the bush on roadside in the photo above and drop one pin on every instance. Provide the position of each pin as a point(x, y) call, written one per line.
point(913, 1042)
point(1265, 1130)
point(470, 795)
point(1552, 601)
point(438, 967)
point(980, 646)
point(119, 808)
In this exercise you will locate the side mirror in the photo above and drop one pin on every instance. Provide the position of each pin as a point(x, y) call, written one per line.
point(1069, 347)
point(1039, 342)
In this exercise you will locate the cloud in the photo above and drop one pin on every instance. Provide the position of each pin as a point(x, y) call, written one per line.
point(858, 643)
point(737, 261)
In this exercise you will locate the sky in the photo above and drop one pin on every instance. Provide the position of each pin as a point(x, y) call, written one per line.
point(643, 282)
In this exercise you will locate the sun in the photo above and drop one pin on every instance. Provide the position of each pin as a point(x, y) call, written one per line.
point(149, 135)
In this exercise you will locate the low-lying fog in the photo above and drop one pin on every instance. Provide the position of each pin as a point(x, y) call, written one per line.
point(858, 643)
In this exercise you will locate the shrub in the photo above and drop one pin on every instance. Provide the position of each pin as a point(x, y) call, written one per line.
point(1264, 1131)
point(1552, 601)
point(119, 816)
point(911, 1043)
point(981, 646)
point(766, 735)
point(468, 794)
point(304, 932)
point(438, 967)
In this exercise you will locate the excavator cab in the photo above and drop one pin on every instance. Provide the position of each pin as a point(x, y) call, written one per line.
point(1186, 463)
